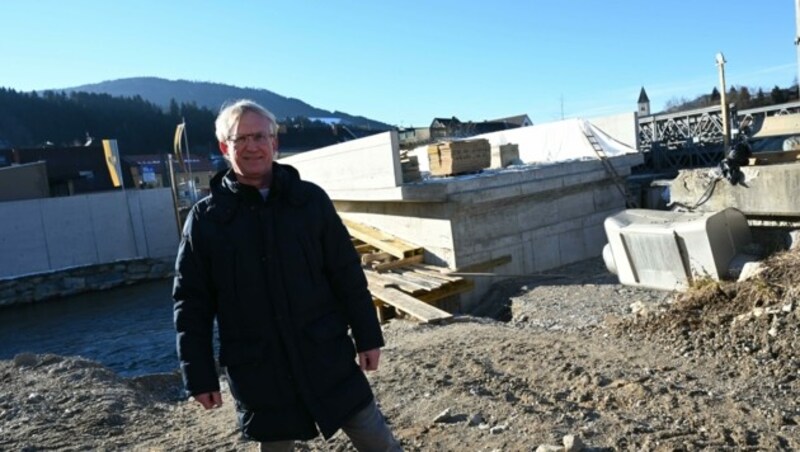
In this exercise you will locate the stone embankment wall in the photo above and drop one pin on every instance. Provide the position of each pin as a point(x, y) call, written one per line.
point(72, 281)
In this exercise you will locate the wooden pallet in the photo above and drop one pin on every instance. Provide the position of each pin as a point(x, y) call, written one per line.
point(415, 292)
point(399, 281)
point(426, 283)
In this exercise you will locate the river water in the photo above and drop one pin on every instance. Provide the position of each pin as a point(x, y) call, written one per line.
point(128, 329)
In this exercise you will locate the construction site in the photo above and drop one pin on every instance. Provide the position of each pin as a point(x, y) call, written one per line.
point(445, 238)
point(505, 328)
point(621, 283)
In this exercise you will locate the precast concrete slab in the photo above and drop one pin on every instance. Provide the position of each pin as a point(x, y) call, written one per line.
point(766, 191)
point(22, 233)
point(64, 221)
point(364, 164)
point(111, 226)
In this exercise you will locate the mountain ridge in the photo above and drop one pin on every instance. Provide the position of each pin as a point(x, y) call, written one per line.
point(212, 95)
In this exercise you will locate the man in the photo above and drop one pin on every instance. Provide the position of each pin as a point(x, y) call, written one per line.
point(267, 258)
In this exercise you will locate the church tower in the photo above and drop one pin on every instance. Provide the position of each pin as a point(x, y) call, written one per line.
point(644, 103)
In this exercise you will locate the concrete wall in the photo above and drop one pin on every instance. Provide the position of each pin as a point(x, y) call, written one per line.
point(623, 127)
point(28, 181)
point(48, 234)
point(365, 164)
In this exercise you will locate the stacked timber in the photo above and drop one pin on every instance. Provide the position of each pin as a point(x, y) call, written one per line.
point(410, 166)
point(457, 157)
point(504, 155)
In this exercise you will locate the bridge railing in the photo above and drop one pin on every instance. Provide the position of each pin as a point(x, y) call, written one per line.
point(695, 138)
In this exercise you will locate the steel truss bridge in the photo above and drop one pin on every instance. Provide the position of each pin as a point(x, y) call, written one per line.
point(694, 138)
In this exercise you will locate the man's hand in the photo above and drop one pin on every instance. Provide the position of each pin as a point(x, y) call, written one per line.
point(209, 400)
point(368, 360)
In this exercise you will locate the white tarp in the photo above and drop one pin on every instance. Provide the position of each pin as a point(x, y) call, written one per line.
point(550, 142)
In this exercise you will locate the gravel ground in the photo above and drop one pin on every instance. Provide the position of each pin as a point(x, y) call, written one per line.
point(577, 359)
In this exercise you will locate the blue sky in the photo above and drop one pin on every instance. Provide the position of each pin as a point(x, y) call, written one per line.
point(405, 62)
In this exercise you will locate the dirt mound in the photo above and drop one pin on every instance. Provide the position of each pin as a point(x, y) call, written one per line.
point(755, 323)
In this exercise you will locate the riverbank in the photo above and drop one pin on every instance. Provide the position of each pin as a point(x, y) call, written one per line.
point(76, 280)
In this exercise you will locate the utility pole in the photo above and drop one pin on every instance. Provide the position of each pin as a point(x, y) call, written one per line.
point(726, 127)
point(797, 37)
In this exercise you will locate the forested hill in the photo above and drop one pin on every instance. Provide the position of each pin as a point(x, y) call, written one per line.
point(741, 96)
point(31, 119)
point(211, 95)
point(60, 119)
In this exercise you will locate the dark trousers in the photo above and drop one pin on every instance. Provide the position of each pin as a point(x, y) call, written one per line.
point(366, 429)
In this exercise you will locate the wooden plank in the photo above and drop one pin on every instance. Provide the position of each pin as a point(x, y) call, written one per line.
point(407, 285)
point(435, 273)
point(398, 263)
point(447, 291)
point(395, 246)
point(769, 158)
point(410, 305)
point(415, 278)
point(377, 280)
point(433, 268)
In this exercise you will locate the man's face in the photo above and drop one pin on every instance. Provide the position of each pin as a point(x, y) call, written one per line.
point(251, 149)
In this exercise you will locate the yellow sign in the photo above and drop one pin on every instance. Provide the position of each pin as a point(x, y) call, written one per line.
point(112, 161)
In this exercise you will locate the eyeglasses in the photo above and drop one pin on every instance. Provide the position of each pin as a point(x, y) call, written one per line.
point(259, 138)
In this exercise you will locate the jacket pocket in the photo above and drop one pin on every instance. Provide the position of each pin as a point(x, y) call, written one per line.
point(259, 386)
point(333, 352)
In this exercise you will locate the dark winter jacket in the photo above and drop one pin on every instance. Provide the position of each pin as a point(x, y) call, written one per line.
point(283, 282)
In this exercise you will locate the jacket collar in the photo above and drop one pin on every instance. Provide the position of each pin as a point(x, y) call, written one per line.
point(227, 194)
